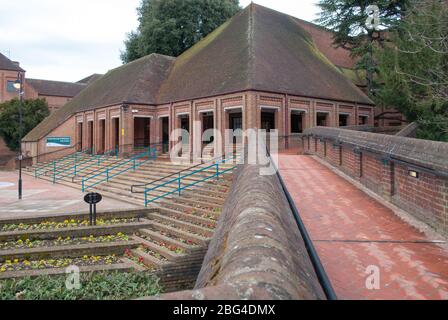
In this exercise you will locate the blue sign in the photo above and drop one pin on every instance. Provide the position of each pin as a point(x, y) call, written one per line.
point(59, 142)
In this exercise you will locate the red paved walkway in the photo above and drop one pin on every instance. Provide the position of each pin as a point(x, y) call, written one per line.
point(352, 231)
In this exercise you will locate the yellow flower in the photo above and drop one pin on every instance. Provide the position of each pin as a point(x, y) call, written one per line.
point(26, 262)
point(16, 261)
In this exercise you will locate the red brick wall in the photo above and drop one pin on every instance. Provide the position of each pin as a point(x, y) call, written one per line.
point(372, 172)
point(426, 197)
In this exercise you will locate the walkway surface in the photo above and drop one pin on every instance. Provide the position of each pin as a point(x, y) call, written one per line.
point(357, 238)
point(42, 197)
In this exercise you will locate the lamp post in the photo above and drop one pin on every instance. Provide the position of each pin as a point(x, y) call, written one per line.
point(18, 84)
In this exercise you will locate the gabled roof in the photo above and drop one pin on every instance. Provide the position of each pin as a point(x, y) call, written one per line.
point(56, 88)
point(90, 79)
point(258, 49)
point(6, 64)
point(136, 82)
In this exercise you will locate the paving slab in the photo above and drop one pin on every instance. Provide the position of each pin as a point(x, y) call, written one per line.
point(43, 197)
point(358, 238)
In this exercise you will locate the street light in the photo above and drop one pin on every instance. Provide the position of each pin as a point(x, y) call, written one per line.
point(18, 85)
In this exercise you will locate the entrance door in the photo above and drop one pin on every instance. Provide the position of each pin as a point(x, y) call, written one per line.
point(102, 136)
point(268, 120)
point(165, 134)
point(185, 125)
point(142, 132)
point(79, 143)
point(90, 137)
point(236, 121)
point(116, 133)
point(296, 123)
point(207, 123)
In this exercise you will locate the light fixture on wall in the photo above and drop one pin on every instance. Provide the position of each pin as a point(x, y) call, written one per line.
point(414, 174)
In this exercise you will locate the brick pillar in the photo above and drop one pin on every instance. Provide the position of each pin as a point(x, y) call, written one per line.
point(387, 178)
point(358, 163)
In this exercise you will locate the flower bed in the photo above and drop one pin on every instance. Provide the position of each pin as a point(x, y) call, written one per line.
point(179, 239)
point(170, 247)
point(172, 225)
point(154, 254)
point(28, 244)
point(22, 265)
point(48, 225)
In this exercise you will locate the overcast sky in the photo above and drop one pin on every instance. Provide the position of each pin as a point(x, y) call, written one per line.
point(68, 40)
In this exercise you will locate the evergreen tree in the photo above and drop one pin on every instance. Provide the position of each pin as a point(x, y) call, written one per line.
point(33, 112)
point(348, 20)
point(414, 68)
point(172, 26)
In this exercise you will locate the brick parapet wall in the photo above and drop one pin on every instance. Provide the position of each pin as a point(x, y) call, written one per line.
point(386, 164)
point(257, 252)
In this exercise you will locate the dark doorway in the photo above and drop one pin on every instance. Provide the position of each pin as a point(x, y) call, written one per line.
point(343, 120)
point(90, 137)
point(80, 136)
point(116, 133)
point(165, 134)
point(236, 121)
point(185, 126)
point(322, 119)
point(363, 120)
point(296, 122)
point(142, 132)
point(207, 123)
point(268, 120)
point(102, 137)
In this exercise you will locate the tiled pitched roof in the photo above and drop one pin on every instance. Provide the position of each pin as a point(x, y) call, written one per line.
point(56, 88)
point(90, 79)
point(258, 49)
point(6, 64)
point(136, 82)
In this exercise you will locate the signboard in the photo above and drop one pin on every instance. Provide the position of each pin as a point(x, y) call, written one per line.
point(58, 142)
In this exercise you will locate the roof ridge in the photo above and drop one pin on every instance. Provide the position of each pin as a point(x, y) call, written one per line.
point(251, 49)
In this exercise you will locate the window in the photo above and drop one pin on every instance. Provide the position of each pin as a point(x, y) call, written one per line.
point(296, 123)
point(322, 119)
point(363, 120)
point(343, 120)
point(268, 121)
point(10, 86)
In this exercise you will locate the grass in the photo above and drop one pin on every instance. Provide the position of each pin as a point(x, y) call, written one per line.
point(94, 286)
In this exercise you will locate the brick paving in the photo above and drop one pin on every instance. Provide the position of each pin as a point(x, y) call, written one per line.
point(42, 197)
point(352, 231)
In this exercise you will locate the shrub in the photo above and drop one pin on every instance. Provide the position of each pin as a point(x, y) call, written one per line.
point(94, 286)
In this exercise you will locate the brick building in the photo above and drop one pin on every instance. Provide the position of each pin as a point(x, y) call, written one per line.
point(261, 69)
point(56, 93)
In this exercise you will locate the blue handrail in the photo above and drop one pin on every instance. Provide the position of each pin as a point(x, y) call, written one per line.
point(55, 162)
point(151, 154)
point(180, 187)
point(77, 168)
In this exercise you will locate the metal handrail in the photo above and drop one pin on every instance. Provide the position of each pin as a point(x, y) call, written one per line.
point(151, 154)
point(114, 163)
point(179, 188)
point(53, 163)
point(169, 176)
point(77, 169)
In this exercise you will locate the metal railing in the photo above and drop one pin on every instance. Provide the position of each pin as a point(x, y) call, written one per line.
point(50, 167)
point(79, 167)
point(178, 184)
point(111, 172)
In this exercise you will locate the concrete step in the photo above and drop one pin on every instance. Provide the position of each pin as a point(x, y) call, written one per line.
point(181, 215)
point(160, 237)
point(206, 232)
point(163, 251)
